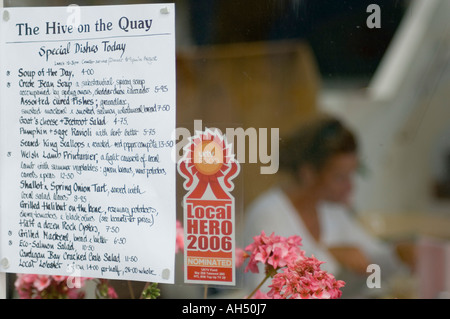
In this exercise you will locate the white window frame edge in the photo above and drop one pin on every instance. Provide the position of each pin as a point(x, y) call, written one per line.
point(3, 287)
point(394, 66)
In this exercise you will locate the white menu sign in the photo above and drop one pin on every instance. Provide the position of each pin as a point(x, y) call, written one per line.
point(87, 117)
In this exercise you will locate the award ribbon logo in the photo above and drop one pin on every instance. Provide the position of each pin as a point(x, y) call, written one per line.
point(208, 167)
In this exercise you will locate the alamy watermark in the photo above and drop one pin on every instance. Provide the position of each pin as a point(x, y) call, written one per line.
point(74, 278)
point(374, 19)
point(374, 279)
point(254, 145)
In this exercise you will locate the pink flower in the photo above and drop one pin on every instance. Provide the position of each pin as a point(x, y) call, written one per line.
point(273, 251)
point(48, 287)
point(304, 279)
point(75, 293)
point(260, 295)
point(240, 255)
point(179, 245)
point(112, 293)
point(105, 290)
point(24, 279)
point(42, 282)
point(23, 285)
point(59, 278)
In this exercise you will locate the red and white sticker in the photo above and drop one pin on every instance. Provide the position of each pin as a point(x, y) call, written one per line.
point(208, 166)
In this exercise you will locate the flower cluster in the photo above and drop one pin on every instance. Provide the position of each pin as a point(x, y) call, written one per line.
point(46, 287)
point(301, 276)
point(31, 286)
point(273, 251)
point(304, 279)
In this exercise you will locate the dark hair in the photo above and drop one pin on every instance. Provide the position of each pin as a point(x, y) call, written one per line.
point(315, 143)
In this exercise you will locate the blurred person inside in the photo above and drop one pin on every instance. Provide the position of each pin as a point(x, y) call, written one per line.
point(320, 161)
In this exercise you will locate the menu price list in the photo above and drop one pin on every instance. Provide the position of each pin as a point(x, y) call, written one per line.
point(87, 168)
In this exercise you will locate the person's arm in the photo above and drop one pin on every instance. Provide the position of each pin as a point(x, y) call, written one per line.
point(355, 248)
point(351, 258)
point(406, 251)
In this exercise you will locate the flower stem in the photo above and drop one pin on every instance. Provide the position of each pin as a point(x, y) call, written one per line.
point(130, 289)
point(144, 290)
point(205, 292)
point(259, 286)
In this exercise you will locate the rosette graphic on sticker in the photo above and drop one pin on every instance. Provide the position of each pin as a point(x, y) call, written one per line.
point(208, 163)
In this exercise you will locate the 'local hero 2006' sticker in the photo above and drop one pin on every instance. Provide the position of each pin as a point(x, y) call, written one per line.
point(208, 166)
